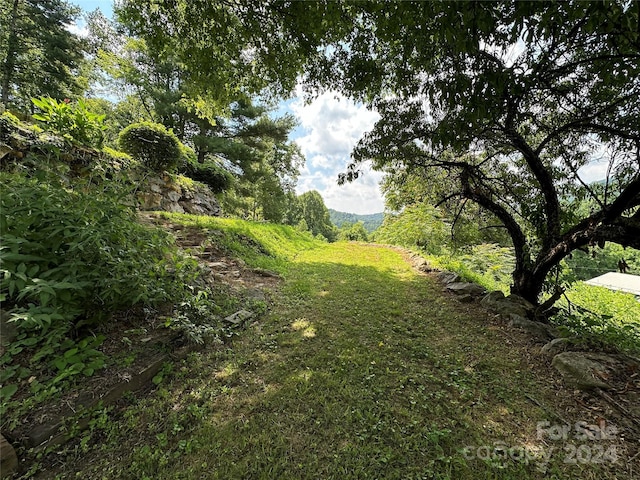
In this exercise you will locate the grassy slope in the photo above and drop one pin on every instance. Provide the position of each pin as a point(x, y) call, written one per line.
point(363, 369)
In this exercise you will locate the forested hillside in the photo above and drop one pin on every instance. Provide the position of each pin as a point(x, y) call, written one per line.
point(370, 222)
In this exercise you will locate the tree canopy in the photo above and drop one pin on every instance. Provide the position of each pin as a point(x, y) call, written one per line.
point(509, 101)
point(39, 56)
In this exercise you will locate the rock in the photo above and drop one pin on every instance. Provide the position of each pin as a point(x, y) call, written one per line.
point(466, 298)
point(555, 346)
point(266, 273)
point(538, 329)
point(518, 300)
point(513, 304)
point(149, 200)
point(8, 458)
point(448, 277)
point(421, 264)
point(192, 208)
point(218, 265)
point(583, 370)
point(492, 297)
point(173, 207)
point(464, 288)
point(162, 192)
point(173, 196)
point(238, 318)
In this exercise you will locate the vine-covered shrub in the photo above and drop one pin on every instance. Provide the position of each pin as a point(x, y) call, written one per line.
point(211, 174)
point(152, 144)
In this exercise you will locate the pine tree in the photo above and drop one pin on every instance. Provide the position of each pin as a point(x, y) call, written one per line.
point(39, 56)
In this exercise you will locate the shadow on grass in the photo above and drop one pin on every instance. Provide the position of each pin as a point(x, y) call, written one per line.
point(363, 369)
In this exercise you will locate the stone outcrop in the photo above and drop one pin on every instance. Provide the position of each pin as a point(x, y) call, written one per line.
point(465, 288)
point(177, 194)
point(585, 370)
point(556, 346)
point(540, 330)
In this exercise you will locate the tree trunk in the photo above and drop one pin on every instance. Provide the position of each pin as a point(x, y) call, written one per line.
point(12, 47)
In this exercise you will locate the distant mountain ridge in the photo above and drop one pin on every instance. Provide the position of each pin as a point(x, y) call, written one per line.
point(371, 221)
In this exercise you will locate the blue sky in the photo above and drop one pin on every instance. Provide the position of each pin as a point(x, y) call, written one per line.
point(328, 129)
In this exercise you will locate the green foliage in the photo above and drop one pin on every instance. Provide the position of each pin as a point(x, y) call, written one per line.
point(416, 226)
point(70, 258)
point(601, 317)
point(488, 265)
point(152, 144)
point(316, 215)
point(39, 55)
point(355, 232)
point(210, 173)
point(72, 120)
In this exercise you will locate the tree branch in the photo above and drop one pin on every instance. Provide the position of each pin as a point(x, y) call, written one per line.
point(481, 198)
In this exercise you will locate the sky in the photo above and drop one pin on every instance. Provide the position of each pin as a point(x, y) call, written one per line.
point(328, 129)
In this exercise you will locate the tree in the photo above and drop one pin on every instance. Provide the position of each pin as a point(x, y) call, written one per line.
point(411, 190)
point(316, 215)
point(354, 232)
point(39, 56)
point(418, 225)
point(240, 137)
point(510, 100)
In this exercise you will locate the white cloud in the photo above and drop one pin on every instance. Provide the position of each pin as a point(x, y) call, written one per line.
point(78, 28)
point(330, 126)
point(594, 171)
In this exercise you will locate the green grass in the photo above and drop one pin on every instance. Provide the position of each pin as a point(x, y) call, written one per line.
point(602, 317)
point(363, 369)
point(260, 244)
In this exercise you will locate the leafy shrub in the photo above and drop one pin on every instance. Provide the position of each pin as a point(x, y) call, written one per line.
point(353, 232)
point(211, 174)
point(73, 121)
point(418, 225)
point(599, 315)
point(151, 143)
point(68, 258)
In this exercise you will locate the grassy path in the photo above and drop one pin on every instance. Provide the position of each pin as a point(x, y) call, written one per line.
point(363, 369)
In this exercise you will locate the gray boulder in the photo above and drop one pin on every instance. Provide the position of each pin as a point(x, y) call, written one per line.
point(464, 288)
point(239, 318)
point(540, 330)
point(513, 304)
point(582, 370)
point(556, 346)
point(448, 277)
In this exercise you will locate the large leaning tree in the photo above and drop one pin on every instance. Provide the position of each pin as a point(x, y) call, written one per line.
point(513, 102)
